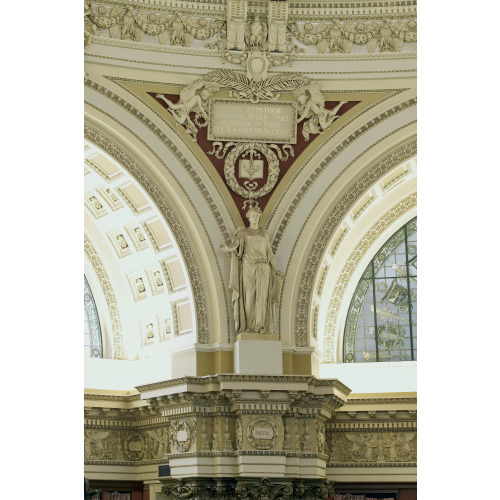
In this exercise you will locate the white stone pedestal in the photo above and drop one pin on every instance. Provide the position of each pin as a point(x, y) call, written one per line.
point(258, 357)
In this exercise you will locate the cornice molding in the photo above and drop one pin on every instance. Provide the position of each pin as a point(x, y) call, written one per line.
point(111, 398)
point(381, 401)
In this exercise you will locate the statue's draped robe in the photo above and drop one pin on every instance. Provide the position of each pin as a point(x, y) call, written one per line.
point(254, 281)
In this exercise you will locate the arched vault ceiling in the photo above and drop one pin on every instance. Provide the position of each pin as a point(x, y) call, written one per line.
point(365, 115)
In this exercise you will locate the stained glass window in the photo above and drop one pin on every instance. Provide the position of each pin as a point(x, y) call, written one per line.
point(381, 323)
point(91, 326)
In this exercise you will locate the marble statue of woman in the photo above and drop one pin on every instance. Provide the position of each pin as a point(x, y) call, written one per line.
point(255, 278)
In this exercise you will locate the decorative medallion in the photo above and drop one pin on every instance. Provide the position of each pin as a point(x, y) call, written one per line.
point(183, 434)
point(258, 127)
point(262, 433)
point(134, 446)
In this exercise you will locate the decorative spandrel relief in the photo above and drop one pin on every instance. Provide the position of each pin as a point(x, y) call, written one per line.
point(256, 132)
point(192, 99)
point(317, 118)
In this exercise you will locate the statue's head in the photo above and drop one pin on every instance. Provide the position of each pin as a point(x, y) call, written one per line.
point(205, 94)
point(253, 212)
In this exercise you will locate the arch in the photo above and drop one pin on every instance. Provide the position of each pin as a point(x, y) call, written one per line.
point(351, 271)
point(323, 221)
point(165, 169)
point(139, 173)
point(382, 284)
point(110, 298)
point(92, 330)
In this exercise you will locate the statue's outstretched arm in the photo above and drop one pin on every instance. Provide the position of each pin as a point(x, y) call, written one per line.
point(233, 246)
point(169, 102)
point(337, 107)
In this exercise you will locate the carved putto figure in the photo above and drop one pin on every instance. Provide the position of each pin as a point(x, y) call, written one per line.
point(129, 29)
point(191, 101)
point(180, 30)
point(388, 42)
point(312, 109)
point(255, 278)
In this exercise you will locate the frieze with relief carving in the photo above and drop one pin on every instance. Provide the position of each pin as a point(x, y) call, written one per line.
point(100, 444)
point(257, 40)
point(132, 23)
point(338, 37)
point(374, 447)
point(255, 134)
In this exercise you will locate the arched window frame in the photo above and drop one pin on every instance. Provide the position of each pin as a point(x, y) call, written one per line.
point(367, 285)
point(94, 326)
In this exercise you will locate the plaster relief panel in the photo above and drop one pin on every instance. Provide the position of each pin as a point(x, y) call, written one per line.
point(176, 274)
point(110, 197)
point(149, 332)
point(137, 283)
point(120, 243)
point(159, 235)
point(156, 280)
point(136, 234)
point(104, 167)
point(165, 326)
point(135, 199)
point(95, 205)
point(183, 319)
